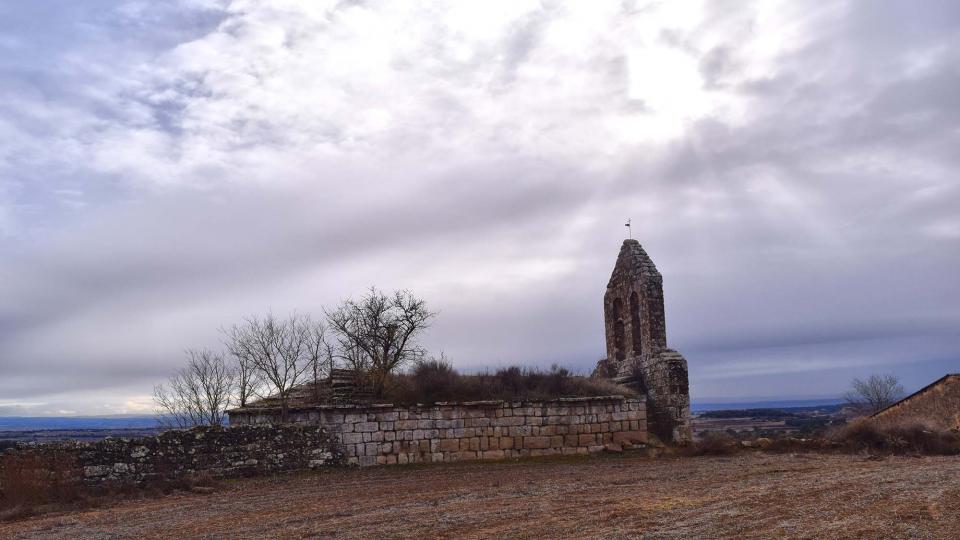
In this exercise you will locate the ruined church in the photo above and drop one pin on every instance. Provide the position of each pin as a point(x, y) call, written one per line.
point(637, 353)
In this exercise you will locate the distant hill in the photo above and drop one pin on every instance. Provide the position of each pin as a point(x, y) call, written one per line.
point(772, 404)
point(34, 423)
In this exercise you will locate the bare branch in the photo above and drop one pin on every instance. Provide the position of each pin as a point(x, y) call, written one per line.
point(378, 334)
point(197, 394)
point(874, 394)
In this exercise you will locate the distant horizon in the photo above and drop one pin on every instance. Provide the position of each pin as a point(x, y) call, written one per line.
point(695, 402)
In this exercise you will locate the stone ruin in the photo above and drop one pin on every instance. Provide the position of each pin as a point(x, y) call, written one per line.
point(637, 353)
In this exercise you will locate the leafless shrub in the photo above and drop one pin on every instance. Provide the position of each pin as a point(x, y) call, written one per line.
point(197, 394)
point(902, 438)
point(874, 394)
point(714, 443)
point(435, 380)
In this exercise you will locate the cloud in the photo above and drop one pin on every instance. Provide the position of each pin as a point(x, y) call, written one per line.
point(173, 167)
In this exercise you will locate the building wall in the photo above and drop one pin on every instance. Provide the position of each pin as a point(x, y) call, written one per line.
point(379, 435)
point(937, 406)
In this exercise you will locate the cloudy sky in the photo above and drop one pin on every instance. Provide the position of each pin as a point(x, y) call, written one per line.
point(167, 168)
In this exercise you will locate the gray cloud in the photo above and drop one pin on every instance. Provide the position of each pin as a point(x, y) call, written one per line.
point(176, 168)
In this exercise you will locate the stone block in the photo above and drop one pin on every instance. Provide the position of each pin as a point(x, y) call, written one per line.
point(536, 442)
point(351, 438)
point(367, 427)
point(493, 454)
point(631, 437)
point(586, 439)
point(449, 445)
point(521, 431)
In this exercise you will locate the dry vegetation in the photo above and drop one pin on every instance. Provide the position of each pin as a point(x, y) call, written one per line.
point(436, 380)
point(32, 484)
point(745, 495)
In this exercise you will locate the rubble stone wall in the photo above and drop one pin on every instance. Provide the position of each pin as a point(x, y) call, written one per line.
point(221, 452)
point(386, 434)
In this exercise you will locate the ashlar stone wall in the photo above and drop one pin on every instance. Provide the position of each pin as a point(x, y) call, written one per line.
point(386, 434)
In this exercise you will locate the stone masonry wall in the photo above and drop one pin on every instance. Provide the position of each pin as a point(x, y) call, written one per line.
point(385, 434)
point(936, 406)
point(222, 452)
point(637, 353)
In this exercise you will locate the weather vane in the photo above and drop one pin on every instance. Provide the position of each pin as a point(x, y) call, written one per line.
point(629, 229)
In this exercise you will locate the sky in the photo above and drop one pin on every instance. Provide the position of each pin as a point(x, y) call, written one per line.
point(168, 168)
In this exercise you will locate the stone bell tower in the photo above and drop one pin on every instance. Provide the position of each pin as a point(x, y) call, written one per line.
point(637, 353)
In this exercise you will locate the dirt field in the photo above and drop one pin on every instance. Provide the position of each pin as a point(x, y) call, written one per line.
point(757, 495)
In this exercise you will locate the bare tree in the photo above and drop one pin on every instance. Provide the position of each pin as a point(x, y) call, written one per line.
point(197, 394)
point(321, 356)
point(249, 381)
point(281, 352)
point(379, 333)
point(874, 394)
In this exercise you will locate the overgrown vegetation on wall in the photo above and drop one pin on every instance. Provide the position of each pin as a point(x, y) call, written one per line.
point(436, 380)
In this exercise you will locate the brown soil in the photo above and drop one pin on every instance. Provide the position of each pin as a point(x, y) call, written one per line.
point(749, 495)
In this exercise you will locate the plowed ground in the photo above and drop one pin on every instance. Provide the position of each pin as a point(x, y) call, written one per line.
point(749, 495)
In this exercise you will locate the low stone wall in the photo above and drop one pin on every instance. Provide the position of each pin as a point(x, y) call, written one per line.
point(386, 434)
point(221, 452)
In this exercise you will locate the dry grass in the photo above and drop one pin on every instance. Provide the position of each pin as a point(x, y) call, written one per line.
point(748, 495)
point(714, 444)
point(436, 380)
point(28, 481)
point(900, 438)
point(34, 483)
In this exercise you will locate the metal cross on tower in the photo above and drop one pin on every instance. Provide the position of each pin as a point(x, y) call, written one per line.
point(629, 229)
